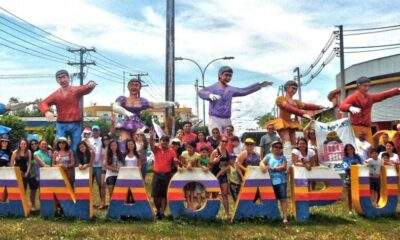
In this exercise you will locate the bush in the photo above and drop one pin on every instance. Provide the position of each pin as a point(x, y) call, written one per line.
point(17, 126)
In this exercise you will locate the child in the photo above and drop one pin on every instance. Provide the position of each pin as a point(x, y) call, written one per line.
point(374, 165)
point(204, 164)
point(189, 159)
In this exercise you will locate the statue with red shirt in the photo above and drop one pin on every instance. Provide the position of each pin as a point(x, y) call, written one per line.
point(66, 99)
point(359, 105)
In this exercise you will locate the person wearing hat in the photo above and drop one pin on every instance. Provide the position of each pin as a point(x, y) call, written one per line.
point(286, 126)
point(69, 112)
point(359, 105)
point(130, 107)
point(220, 96)
point(64, 157)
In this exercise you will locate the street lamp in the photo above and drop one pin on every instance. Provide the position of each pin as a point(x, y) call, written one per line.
point(203, 72)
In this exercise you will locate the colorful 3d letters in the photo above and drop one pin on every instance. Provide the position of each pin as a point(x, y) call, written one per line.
point(56, 189)
point(130, 183)
point(176, 195)
point(13, 201)
point(303, 195)
point(246, 206)
point(361, 195)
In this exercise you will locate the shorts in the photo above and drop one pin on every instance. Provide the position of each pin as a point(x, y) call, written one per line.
point(111, 180)
point(159, 185)
point(33, 183)
point(280, 191)
point(375, 184)
point(96, 174)
point(216, 122)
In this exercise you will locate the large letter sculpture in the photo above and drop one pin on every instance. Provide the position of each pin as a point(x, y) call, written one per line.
point(176, 196)
point(55, 189)
point(246, 206)
point(130, 184)
point(303, 194)
point(13, 201)
point(361, 195)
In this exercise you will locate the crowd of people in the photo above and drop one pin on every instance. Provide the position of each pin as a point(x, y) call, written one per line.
point(222, 154)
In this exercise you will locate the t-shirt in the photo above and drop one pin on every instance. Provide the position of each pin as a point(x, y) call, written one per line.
point(115, 163)
point(275, 161)
point(189, 137)
point(266, 140)
point(163, 159)
point(200, 145)
point(131, 161)
point(374, 166)
point(362, 148)
point(193, 160)
point(204, 161)
point(64, 158)
point(97, 148)
point(44, 156)
point(213, 142)
point(394, 159)
point(304, 159)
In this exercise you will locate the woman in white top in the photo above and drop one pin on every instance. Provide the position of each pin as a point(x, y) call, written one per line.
point(132, 156)
point(302, 155)
point(393, 157)
point(114, 161)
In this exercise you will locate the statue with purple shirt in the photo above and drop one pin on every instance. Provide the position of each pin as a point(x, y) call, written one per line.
point(130, 107)
point(220, 96)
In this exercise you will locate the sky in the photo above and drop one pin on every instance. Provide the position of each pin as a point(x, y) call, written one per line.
point(267, 38)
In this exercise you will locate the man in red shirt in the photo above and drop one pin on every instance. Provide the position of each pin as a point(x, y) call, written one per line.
point(188, 135)
point(359, 104)
point(164, 160)
point(66, 99)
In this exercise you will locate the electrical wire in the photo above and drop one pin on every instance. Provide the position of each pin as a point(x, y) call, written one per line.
point(322, 53)
point(321, 67)
point(32, 54)
point(373, 46)
point(374, 28)
point(373, 50)
point(371, 32)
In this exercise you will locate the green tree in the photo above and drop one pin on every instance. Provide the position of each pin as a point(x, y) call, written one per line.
point(104, 125)
point(48, 133)
point(17, 126)
point(262, 120)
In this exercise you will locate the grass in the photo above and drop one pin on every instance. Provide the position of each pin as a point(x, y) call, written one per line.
point(328, 222)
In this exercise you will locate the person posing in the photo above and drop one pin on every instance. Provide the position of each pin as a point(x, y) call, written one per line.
point(5, 151)
point(33, 181)
point(219, 165)
point(275, 163)
point(188, 135)
point(362, 145)
point(43, 155)
point(132, 156)
point(265, 142)
point(391, 151)
point(141, 146)
point(382, 145)
point(114, 161)
point(202, 141)
point(164, 160)
point(374, 164)
point(104, 149)
point(66, 99)
point(220, 97)
point(303, 156)
point(350, 158)
point(214, 138)
point(64, 157)
point(231, 137)
point(84, 156)
point(22, 158)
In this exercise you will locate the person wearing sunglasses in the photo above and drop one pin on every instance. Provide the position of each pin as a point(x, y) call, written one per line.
point(275, 163)
point(220, 96)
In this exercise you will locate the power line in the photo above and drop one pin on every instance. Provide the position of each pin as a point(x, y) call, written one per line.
point(373, 50)
point(373, 46)
point(372, 32)
point(28, 75)
point(321, 67)
point(374, 28)
point(23, 40)
point(32, 54)
point(40, 29)
point(115, 63)
point(319, 57)
point(107, 79)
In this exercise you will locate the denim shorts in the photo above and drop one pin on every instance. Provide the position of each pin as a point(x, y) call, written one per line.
point(375, 184)
point(97, 171)
point(280, 191)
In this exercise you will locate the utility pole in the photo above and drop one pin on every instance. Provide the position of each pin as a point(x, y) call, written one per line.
point(139, 75)
point(81, 64)
point(297, 70)
point(170, 66)
point(196, 88)
point(342, 73)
